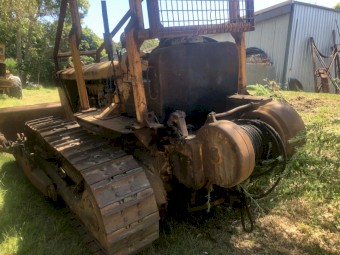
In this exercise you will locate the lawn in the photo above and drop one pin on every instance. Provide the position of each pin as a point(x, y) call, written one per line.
point(31, 97)
point(302, 216)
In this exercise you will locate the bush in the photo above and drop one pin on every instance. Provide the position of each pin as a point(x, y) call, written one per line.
point(11, 65)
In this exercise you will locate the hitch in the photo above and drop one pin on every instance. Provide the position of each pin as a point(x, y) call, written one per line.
point(8, 146)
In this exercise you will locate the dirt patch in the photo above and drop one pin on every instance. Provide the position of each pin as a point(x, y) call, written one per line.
point(304, 104)
point(277, 234)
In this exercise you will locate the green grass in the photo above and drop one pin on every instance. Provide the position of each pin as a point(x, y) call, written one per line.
point(31, 97)
point(30, 224)
point(302, 216)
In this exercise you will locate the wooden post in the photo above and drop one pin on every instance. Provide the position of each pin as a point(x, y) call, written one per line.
point(74, 39)
point(135, 65)
point(83, 97)
point(242, 70)
point(234, 14)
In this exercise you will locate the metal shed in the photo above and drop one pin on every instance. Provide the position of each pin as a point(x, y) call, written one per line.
point(283, 32)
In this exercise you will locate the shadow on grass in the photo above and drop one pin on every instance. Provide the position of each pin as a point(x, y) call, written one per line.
point(30, 224)
point(222, 234)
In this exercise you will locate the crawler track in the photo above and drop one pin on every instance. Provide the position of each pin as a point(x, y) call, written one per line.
point(106, 188)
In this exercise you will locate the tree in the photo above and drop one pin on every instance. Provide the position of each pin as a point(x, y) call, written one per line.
point(28, 29)
point(22, 17)
point(337, 6)
point(149, 45)
point(11, 65)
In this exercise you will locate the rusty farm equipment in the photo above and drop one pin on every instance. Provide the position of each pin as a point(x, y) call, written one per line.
point(144, 132)
point(9, 84)
point(322, 70)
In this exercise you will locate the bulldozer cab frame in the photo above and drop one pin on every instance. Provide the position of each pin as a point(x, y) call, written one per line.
point(167, 19)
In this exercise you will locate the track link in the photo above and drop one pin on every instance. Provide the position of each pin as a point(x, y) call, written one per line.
point(109, 192)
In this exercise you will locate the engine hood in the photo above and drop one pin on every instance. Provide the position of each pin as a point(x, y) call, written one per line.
point(95, 71)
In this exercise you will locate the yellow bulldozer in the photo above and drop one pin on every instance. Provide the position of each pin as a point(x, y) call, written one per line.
point(142, 134)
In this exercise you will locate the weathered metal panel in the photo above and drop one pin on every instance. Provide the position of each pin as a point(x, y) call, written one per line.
point(12, 119)
point(197, 17)
point(274, 35)
point(271, 36)
point(310, 21)
point(192, 70)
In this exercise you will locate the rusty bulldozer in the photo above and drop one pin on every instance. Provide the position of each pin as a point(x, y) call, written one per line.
point(9, 85)
point(144, 132)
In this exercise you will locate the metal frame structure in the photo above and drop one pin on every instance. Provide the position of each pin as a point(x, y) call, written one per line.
point(167, 18)
point(323, 72)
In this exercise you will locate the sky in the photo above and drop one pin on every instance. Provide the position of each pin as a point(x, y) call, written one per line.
point(117, 8)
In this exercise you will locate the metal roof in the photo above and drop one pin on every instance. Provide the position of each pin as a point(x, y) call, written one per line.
point(282, 6)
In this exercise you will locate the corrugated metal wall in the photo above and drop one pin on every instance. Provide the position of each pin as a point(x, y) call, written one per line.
point(310, 21)
point(271, 36)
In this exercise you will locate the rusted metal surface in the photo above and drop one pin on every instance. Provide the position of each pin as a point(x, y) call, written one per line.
point(228, 16)
point(62, 14)
point(136, 74)
point(95, 71)
point(192, 77)
point(175, 18)
point(111, 193)
point(9, 84)
point(74, 40)
point(107, 34)
point(242, 73)
point(228, 153)
point(83, 53)
point(83, 97)
point(187, 163)
point(12, 120)
point(337, 61)
point(323, 72)
point(34, 173)
point(5, 145)
point(5, 83)
point(284, 119)
point(116, 125)
point(270, 157)
point(113, 33)
point(177, 122)
point(181, 143)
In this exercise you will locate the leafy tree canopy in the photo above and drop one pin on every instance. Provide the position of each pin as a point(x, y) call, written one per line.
point(28, 29)
point(337, 6)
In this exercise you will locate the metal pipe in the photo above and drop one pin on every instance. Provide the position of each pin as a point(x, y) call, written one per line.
point(107, 35)
point(113, 33)
point(62, 14)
